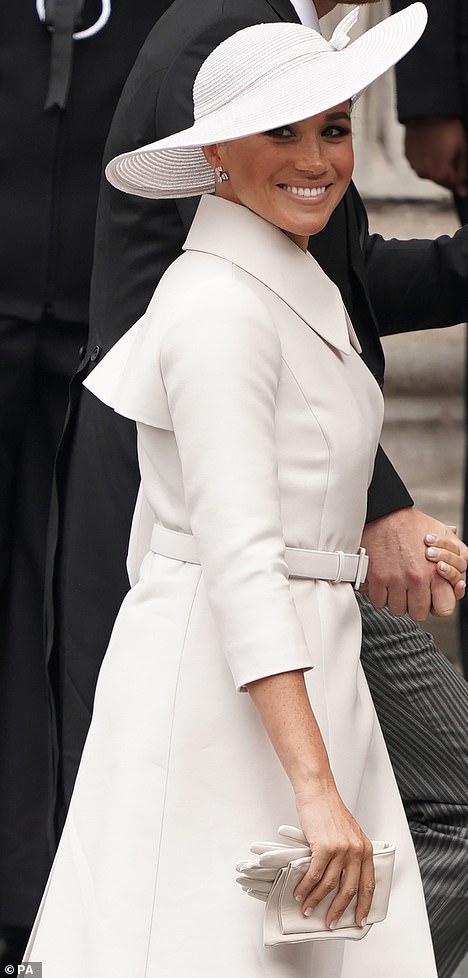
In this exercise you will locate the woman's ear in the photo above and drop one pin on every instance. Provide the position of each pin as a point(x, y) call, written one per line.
point(211, 154)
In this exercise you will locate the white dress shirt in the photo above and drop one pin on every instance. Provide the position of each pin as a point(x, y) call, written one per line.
point(307, 13)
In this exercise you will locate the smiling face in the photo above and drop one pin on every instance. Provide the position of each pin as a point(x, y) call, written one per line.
point(293, 176)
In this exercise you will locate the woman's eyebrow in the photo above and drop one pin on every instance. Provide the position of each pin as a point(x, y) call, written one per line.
point(335, 116)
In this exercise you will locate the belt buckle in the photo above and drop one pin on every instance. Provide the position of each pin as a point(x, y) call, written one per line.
point(360, 563)
point(339, 573)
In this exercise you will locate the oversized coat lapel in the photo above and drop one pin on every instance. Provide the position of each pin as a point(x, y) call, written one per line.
point(266, 253)
point(339, 250)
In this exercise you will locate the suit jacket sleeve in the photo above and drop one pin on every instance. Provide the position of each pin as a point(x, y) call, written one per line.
point(415, 284)
point(387, 491)
point(418, 284)
point(220, 362)
point(428, 77)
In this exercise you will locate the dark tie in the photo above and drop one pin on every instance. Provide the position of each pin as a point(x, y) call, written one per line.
point(62, 17)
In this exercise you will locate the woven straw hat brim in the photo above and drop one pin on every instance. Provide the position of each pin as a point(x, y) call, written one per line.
point(304, 87)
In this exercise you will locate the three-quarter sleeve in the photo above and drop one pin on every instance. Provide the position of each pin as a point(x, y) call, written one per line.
point(221, 364)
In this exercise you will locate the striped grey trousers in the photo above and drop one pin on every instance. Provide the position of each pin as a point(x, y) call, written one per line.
point(422, 704)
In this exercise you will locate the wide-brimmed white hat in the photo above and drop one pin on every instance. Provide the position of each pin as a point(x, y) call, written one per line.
point(258, 79)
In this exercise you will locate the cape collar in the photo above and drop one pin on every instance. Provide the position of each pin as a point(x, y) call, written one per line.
point(240, 236)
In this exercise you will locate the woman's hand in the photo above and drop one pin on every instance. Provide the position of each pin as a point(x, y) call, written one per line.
point(341, 856)
point(341, 853)
point(449, 555)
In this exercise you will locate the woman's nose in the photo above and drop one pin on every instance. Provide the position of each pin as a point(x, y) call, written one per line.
point(311, 158)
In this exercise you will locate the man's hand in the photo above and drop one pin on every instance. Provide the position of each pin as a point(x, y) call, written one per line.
point(437, 149)
point(400, 577)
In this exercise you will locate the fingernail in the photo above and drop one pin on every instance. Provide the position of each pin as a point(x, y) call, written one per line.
point(334, 924)
point(430, 538)
point(443, 567)
point(432, 552)
point(363, 922)
point(298, 899)
point(308, 912)
point(462, 585)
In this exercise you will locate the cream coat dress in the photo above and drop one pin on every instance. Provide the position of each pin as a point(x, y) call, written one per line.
point(257, 426)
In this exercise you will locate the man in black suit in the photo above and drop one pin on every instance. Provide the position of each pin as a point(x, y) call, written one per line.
point(385, 285)
point(432, 87)
point(57, 98)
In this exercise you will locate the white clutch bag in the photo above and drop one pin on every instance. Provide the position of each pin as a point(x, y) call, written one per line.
point(274, 875)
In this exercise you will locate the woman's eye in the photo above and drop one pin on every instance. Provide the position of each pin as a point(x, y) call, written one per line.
point(282, 132)
point(335, 132)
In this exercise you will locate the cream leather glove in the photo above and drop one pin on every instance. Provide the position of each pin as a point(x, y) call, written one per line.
point(256, 876)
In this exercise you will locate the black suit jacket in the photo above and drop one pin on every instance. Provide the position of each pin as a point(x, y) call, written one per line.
point(136, 239)
point(50, 161)
point(433, 78)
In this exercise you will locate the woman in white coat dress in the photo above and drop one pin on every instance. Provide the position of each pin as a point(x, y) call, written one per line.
point(231, 696)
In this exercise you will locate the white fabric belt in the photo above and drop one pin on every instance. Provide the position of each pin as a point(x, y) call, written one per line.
point(319, 565)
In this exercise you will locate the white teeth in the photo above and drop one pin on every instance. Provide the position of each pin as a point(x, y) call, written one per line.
point(306, 191)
